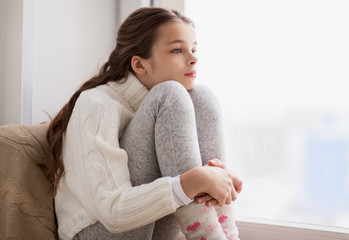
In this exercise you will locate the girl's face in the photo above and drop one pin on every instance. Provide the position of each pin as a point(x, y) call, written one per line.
point(173, 56)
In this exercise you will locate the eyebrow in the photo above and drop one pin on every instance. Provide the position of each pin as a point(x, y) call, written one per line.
point(178, 41)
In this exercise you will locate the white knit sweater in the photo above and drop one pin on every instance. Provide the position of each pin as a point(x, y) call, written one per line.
point(96, 185)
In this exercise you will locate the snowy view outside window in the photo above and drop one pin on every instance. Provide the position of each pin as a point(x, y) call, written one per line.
point(281, 72)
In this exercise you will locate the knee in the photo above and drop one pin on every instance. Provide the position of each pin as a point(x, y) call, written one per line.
point(169, 87)
point(204, 96)
point(170, 90)
point(202, 91)
point(172, 94)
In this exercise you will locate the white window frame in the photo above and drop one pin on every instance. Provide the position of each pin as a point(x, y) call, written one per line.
point(263, 229)
point(251, 228)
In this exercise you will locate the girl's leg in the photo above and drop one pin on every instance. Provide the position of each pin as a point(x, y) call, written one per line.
point(161, 140)
point(211, 141)
point(98, 231)
point(209, 123)
point(210, 138)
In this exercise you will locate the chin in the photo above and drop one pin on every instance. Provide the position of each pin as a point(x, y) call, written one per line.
point(190, 87)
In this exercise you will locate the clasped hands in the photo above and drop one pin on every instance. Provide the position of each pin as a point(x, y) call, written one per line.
point(231, 190)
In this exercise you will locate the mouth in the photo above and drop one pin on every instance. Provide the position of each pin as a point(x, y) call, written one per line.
point(191, 74)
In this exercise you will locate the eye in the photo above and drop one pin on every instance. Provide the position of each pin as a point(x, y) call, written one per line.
point(177, 50)
point(194, 51)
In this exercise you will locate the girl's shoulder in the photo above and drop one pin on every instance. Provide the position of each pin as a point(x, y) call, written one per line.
point(100, 97)
point(100, 93)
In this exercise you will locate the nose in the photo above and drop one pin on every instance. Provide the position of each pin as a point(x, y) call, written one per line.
point(192, 60)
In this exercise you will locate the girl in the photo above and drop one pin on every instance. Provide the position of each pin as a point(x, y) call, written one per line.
point(133, 144)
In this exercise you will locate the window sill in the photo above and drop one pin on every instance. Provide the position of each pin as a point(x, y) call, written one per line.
point(251, 229)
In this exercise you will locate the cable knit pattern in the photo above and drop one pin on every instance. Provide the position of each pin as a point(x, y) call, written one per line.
point(96, 186)
point(26, 193)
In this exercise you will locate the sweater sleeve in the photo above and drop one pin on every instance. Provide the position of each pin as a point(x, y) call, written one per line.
point(106, 188)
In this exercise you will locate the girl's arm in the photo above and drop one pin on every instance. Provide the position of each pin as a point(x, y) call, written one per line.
point(204, 197)
point(97, 181)
point(218, 182)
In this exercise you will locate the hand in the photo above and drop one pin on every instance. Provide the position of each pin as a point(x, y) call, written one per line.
point(202, 197)
point(218, 182)
point(219, 185)
point(218, 163)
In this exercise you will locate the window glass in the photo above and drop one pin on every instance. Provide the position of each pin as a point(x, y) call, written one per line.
point(281, 72)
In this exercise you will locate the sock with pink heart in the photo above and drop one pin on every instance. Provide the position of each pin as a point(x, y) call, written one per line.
point(226, 217)
point(200, 222)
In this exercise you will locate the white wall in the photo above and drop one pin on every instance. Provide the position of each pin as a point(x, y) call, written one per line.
point(127, 6)
point(49, 48)
point(10, 60)
point(171, 4)
point(72, 40)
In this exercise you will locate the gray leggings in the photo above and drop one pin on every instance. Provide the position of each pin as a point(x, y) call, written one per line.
point(173, 131)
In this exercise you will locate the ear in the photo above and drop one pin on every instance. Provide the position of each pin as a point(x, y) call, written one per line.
point(138, 65)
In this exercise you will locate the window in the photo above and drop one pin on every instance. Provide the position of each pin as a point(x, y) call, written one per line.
point(280, 70)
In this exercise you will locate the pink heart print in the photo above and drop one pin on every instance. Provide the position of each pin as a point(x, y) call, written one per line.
point(222, 218)
point(194, 227)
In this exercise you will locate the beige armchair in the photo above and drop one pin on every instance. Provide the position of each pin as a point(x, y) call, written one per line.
point(26, 193)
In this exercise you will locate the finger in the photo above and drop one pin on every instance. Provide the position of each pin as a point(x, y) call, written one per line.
point(237, 184)
point(217, 163)
point(203, 198)
point(211, 202)
point(234, 195)
point(221, 201)
point(221, 204)
point(228, 200)
point(200, 195)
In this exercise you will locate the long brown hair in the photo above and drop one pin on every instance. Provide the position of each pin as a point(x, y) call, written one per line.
point(136, 37)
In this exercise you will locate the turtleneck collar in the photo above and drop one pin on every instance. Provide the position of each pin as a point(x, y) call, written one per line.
point(131, 90)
